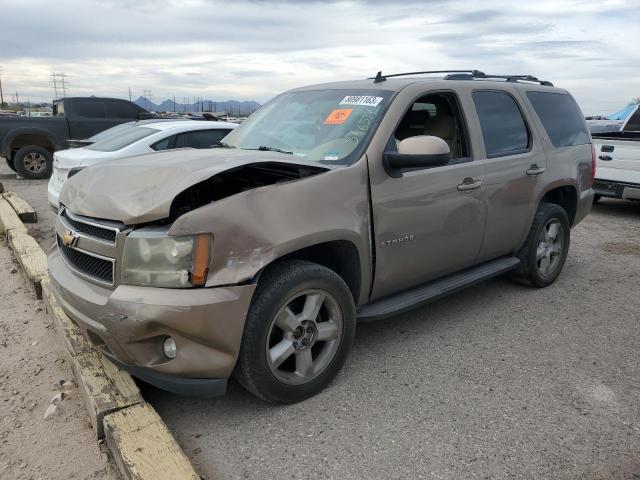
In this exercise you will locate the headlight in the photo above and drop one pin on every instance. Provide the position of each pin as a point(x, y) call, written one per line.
point(151, 258)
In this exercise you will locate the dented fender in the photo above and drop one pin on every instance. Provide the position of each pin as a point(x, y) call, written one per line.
point(256, 227)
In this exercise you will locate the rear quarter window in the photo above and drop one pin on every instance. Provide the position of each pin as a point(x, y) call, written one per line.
point(561, 118)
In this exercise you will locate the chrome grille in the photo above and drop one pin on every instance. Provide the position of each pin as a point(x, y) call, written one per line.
point(89, 229)
point(92, 266)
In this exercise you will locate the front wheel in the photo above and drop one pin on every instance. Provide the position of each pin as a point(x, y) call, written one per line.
point(33, 162)
point(545, 250)
point(298, 332)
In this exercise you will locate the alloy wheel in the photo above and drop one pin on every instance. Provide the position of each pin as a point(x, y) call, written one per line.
point(550, 247)
point(304, 336)
point(35, 162)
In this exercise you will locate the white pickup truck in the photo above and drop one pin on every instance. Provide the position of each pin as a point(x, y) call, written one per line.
point(618, 157)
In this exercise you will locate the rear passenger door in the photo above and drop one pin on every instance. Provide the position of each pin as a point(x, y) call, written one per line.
point(514, 170)
point(200, 138)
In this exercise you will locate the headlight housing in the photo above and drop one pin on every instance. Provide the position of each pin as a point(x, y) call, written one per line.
point(152, 258)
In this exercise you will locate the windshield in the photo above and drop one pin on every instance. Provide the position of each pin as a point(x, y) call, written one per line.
point(325, 126)
point(122, 138)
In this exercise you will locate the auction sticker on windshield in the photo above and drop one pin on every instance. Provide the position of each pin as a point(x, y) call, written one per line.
point(361, 100)
point(338, 116)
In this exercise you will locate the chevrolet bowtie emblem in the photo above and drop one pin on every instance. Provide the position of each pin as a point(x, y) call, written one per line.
point(69, 238)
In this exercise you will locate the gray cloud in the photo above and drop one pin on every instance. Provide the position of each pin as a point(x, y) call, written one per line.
point(254, 49)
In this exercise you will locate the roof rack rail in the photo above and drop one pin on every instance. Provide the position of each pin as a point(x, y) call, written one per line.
point(381, 78)
point(466, 75)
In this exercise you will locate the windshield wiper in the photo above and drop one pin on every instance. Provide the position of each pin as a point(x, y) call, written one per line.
point(262, 148)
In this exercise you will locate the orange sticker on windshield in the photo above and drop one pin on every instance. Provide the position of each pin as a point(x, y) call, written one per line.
point(338, 116)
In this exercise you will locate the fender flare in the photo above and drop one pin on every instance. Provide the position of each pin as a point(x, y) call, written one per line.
point(11, 136)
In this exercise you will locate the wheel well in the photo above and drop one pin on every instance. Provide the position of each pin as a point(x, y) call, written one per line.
point(341, 256)
point(26, 139)
point(566, 197)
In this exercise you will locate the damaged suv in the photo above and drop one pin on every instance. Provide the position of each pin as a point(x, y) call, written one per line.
point(352, 200)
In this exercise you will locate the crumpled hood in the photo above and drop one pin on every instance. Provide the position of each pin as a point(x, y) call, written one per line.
point(141, 189)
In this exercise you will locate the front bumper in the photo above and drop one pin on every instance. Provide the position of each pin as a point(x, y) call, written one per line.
point(130, 323)
point(616, 189)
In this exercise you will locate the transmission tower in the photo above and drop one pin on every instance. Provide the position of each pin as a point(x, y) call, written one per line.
point(148, 94)
point(59, 83)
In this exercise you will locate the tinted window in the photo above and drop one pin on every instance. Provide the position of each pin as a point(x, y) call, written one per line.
point(200, 138)
point(503, 127)
point(163, 144)
point(123, 110)
point(561, 118)
point(123, 139)
point(90, 109)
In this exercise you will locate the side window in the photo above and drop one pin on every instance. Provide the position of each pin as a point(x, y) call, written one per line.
point(561, 118)
point(439, 115)
point(123, 110)
point(200, 138)
point(90, 109)
point(503, 128)
point(163, 144)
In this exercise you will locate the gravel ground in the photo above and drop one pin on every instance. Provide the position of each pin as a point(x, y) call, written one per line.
point(62, 446)
point(498, 381)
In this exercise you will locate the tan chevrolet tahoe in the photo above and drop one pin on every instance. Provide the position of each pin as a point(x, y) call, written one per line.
point(332, 204)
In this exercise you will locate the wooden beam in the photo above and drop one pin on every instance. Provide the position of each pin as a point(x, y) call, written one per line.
point(31, 257)
point(9, 219)
point(105, 388)
point(143, 447)
point(69, 333)
point(25, 212)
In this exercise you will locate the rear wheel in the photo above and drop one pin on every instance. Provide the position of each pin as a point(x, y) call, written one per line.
point(298, 332)
point(33, 162)
point(545, 250)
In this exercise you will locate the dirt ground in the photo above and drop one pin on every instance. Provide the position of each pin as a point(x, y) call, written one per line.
point(32, 366)
point(499, 381)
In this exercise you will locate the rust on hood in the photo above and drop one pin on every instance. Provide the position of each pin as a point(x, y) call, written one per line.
point(142, 189)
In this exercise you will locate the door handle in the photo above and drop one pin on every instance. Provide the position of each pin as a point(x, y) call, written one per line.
point(469, 184)
point(534, 170)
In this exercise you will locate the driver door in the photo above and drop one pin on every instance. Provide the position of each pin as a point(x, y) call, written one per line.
point(428, 222)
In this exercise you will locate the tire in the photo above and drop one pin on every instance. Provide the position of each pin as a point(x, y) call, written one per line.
point(554, 249)
point(10, 164)
point(596, 198)
point(273, 362)
point(33, 162)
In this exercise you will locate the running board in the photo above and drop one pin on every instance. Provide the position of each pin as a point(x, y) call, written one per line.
point(409, 299)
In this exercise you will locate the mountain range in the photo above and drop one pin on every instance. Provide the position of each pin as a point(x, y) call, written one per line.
point(233, 107)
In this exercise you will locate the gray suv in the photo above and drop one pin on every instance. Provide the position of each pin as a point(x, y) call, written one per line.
point(332, 203)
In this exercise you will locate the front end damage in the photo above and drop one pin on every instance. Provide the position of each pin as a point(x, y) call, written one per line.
point(253, 211)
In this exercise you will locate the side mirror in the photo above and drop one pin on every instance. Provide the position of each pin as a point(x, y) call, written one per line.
point(421, 151)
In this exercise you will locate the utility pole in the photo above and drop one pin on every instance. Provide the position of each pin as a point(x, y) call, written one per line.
point(129, 93)
point(174, 104)
point(1, 94)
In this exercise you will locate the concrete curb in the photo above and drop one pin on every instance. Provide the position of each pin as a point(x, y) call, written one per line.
point(140, 442)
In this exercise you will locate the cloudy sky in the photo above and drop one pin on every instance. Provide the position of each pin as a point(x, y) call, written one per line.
point(251, 50)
